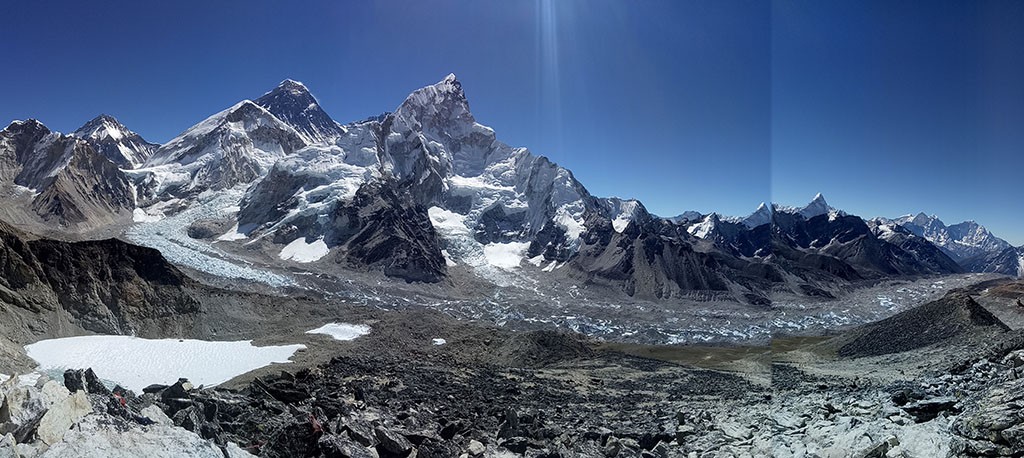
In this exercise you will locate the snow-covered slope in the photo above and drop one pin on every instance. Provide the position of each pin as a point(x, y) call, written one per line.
point(962, 241)
point(114, 141)
point(235, 146)
point(761, 216)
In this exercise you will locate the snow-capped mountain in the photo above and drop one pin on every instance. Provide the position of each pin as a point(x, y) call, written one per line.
point(59, 181)
point(114, 141)
point(292, 103)
point(761, 216)
point(432, 150)
point(233, 147)
point(425, 189)
point(817, 207)
point(962, 241)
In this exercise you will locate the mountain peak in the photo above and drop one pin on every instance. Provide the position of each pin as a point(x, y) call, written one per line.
point(451, 85)
point(114, 141)
point(292, 87)
point(760, 217)
point(28, 124)
point(817, 207)
point(292, 103)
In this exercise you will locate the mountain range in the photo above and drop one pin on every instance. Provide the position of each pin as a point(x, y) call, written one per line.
point(425, 193)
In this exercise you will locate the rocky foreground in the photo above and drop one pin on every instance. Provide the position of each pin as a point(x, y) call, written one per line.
point(931, 391)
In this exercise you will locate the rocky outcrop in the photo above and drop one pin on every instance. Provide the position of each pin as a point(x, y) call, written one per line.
point(955, 316)
point(106, 286)
point(46, 420)
point(384, 229)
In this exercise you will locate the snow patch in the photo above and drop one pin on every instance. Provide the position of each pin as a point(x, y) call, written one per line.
point(505, 255)
point(300, 251)
point(342, 331)
point(136, 363)
point(232, 235)
point(140, 216)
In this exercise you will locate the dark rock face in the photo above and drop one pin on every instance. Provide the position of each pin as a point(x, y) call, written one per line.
point(382, 228)
point(108, 286)
point(292, 103)
point(851, 241)
point(1006, 262)
point(956, 314)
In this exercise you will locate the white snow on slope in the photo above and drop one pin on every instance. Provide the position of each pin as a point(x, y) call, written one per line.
point(300, 251)
point(505, 255)
point(135, 363)
point(342, 331)
point(140, 216)
point(493, 261)
point(703, 228)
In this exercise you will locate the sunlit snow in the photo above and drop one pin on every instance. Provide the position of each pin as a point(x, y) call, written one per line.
point(342, 331)
point(135, 363)
point(300, 251)
point(505, 255)
point(140, 216)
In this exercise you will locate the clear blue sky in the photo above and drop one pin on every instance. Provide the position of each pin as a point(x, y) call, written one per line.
point(895, 107)
point(714, 105)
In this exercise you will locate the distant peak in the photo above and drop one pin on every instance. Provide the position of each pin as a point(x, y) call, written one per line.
point(818, 198)
point(28, 123)
point(291, 84)
point(290, 87)
point(101, 119)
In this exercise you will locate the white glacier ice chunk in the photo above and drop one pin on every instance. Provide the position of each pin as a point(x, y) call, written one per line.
point(342, 331)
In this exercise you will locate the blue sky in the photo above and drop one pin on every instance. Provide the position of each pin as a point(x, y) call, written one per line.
point(886, 107)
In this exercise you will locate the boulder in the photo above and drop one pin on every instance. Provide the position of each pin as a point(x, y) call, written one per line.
point(7, 446)
point(74, 380)
point(158, 416)
point(62, 415)
point(476, 448)
point(53, 392)
point(342, 447)
point(392, 442)
point(928, 409)
point(21, 411)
